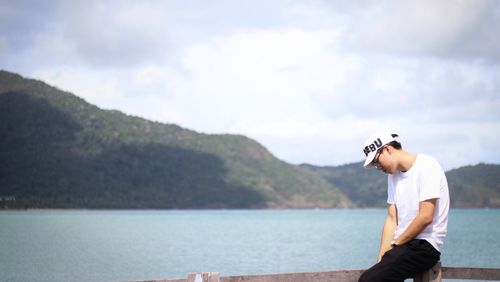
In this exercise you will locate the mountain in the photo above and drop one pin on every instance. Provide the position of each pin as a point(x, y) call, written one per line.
point(475, 186)
point(469, 187)
point(58, 151)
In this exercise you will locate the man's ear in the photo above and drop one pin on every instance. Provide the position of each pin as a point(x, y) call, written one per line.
point(390, 149)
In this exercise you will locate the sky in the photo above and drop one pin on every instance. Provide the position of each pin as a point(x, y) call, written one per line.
point(309, 80)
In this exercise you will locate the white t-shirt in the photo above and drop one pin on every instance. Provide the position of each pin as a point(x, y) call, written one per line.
point(425, 180)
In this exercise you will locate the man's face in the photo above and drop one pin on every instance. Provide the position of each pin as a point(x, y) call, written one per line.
point(382, 161)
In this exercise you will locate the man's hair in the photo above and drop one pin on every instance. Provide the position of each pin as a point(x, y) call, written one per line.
point(395, 144)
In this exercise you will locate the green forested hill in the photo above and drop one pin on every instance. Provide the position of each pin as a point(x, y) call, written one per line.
point(58, 151)
point(469, 187)
point(475, 186)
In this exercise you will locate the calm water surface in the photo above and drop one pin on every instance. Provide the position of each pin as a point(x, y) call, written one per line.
point(79, 245)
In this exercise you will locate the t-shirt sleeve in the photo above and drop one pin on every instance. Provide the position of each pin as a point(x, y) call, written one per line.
point(390, 191)
point(430, 181)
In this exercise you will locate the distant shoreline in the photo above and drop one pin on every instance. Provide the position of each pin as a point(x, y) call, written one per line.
point(216, 210)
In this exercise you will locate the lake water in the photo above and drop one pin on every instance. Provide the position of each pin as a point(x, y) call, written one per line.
point(81, 245)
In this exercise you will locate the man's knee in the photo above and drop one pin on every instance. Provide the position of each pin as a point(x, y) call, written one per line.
point(366, 276)
point(379, 273)
point(362, 278)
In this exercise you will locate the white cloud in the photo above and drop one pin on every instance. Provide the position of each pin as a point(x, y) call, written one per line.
point(146, 92)
point(4, 46)
point(51, 49)
point(269, 74)
point(306, 9)
point(95, 88)
point(454, 144)
point(320, 141)
point(447, 28)
point(116, 33)
point(265, 75)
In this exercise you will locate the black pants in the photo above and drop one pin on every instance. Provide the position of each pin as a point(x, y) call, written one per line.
point(403, 262)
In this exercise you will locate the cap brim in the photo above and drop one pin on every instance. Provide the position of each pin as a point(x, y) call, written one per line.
point(369, 160)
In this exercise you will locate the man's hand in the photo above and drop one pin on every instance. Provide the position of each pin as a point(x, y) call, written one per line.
point(380, 255)
point(420, 222)
point(379, 258)
point(390, 224)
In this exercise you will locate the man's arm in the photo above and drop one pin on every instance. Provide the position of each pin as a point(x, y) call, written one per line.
point(424, 218)
point(391, 221)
